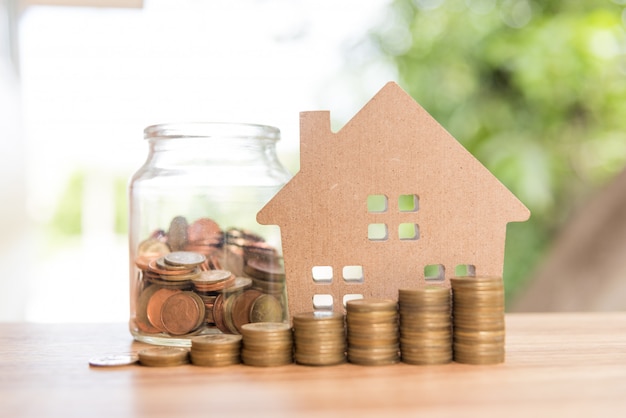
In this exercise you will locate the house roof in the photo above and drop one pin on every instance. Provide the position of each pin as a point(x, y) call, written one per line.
point(392, 145)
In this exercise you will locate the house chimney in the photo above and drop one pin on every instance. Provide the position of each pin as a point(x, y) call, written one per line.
point(315, 135)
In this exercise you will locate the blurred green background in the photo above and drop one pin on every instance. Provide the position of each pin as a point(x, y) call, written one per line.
point(536, 90)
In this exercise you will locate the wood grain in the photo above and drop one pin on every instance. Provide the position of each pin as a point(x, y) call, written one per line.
point(557, 365)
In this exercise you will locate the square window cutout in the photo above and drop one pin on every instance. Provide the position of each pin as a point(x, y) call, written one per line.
point(408, 231)
point(349, 297)
point(322, 274)
point(377, 232)
point(408, 203)
point(377, 203)
point(323, 302)
point(353, 274)
point(434, 273)
point(465, 270)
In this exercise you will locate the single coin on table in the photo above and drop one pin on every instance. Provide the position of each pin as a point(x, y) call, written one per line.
point(114, 360)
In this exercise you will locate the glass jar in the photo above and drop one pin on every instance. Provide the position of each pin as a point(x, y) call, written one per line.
point(199, 261)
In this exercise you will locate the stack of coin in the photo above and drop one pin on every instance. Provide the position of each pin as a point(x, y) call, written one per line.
point(425, 325)
point(478, 319)
point(267, 344)
point(267, 276)
point(210, 281)
point(174, 270)
point(163, 356)
point(372, 331)
point(252, 244)
point(215, 350)
point(319, 338)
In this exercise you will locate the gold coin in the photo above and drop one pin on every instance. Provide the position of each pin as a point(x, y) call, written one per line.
point(266, 327)
point(213, 340)
point(318, 317)
point(371, 305)
point(266, 308)
point(152, 248)
point(163, 356)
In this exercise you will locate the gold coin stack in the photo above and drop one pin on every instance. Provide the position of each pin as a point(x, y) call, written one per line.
point(478, 319)
point(372, 331)
point(163, 356)
point(425, 325)
point(267, 344)
point(319, 338)
point(216, 350)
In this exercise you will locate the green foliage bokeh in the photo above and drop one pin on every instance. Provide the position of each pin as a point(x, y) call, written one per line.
point(536, 90)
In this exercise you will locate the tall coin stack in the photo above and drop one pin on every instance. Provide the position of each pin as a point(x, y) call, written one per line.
point(319, 338)
point(425, 325)
point(267, 344)
point(372, 331)
point(215, 350)
point(478, 319)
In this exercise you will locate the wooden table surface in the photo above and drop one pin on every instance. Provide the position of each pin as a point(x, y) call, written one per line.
point(558, 365)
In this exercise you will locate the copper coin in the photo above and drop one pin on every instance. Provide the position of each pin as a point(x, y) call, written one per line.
point(203, 229)
point(155, 304)
point(218, 314)
point(141, 319)
point(153, 267)
point(142, 261)
point(242, 307)
point(181, 313)
point(265, 270)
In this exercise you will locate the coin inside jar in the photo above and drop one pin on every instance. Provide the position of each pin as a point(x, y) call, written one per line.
point(182, 313)
point(184, 258)
point(155, 304)
point(266, 308)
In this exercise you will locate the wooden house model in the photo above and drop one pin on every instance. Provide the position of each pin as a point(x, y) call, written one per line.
point(390, 201)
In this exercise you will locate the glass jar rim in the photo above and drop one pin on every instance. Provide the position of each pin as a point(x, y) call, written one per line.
point(211, 129)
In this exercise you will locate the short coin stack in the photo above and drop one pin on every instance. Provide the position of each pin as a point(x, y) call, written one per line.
point(267, 344)
point(215, 350)
point(163, 356)
point(372, 331)
point(425, 325)
point(319, 338)
point(478, 319)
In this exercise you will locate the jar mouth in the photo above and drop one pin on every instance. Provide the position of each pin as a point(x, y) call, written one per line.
point(211, 129)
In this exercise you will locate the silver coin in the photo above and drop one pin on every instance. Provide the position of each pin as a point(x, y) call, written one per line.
point(184, 258)
point(114, 360)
